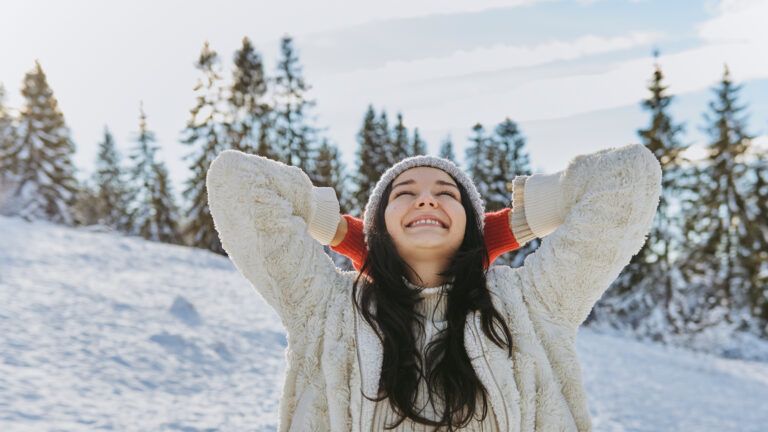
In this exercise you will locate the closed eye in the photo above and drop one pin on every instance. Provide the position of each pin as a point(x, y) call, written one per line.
point(441, 193)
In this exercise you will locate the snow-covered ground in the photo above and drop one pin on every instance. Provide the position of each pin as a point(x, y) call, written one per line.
point(100, 331)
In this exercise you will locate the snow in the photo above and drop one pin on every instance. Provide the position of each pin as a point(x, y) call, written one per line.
point(103, 331)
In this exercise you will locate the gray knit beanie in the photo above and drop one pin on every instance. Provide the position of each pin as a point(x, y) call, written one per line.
point(413, 162)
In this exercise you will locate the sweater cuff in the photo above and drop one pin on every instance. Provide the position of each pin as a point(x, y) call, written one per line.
point(499, 237)
point(353, 244)
point(517, 217)
point(326, 214)
point(543, 203)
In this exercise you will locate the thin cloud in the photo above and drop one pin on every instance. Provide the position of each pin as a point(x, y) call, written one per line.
point(488, 59)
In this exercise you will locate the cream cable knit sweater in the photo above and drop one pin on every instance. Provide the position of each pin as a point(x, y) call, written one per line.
point(606, 202)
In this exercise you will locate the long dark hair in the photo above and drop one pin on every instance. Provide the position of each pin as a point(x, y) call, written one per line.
point(447, 369)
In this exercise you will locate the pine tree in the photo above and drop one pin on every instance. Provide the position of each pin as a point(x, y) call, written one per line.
point(419, 147)
point(329, 172)
point(153, 214)
point(478, 155)
point(7, 137)
point(761, 183)
point(371, 160)
point(721, 235)
point(8, 142)
point(508, 159)
point(384, 142)
point(166, 212)
point(249, 123)
point(86, 206)
point(141, 178)
point(758, 294)
point(264, 141)
point(400, 145)
point(294, 137)
point(110, 188)
point(42, 156)
point(644, 297)
point(446, 150)
point(206, 136)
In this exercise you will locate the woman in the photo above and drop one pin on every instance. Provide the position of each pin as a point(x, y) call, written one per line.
point(495, 349)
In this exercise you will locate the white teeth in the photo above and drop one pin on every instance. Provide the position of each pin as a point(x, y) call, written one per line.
point(426, 222)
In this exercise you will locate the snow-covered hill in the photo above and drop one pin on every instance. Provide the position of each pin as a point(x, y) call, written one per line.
point(104, 332)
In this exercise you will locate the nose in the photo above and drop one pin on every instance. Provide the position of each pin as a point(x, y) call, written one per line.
point(426, 199)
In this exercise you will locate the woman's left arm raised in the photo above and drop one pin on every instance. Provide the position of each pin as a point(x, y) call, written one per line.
point(592, 217)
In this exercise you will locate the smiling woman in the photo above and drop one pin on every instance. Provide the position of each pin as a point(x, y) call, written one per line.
point(429, 339)
point(424, 279)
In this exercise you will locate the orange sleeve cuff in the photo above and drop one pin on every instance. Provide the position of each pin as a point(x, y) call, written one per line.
point(499, 238)
point(352, 245)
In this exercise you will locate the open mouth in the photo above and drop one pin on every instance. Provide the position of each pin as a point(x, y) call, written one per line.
point(426, 223)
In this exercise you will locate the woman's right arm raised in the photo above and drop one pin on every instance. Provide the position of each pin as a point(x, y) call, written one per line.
point(261, 209)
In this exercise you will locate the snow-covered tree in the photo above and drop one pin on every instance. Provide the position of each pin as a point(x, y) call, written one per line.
point(329, 172)
point(508, 159)
point(110, 187)
point(206, 134)
point(757, 204)
point(165, 211)
point(446, 149)
point(8, 140)
point(373, 159)
point(294, 134)
point(153, 214)
point(7, 137)
point(478, 157)
point(400, 147)
point(418, 145)
point(249, 122)
point(721, 234)
point(85, 209)
point(646, 297)
point(42, 155)
point(383, 140)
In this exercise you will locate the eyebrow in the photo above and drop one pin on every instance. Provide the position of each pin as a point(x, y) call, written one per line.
point(411, 181)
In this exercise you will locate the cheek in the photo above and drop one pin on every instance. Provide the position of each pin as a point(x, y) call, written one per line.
point(458, 220)
point(461, 228)
point(393, 215)
point(456, 211)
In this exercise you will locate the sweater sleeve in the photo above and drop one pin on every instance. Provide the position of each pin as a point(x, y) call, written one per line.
point(260, 208)
point(596, 215)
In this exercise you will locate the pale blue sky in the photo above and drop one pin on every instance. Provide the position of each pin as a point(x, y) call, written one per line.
point(571, 72)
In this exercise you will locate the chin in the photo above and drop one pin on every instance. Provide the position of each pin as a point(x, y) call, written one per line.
point(426, 241)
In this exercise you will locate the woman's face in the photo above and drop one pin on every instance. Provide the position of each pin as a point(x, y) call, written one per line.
point(425, 193)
